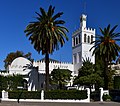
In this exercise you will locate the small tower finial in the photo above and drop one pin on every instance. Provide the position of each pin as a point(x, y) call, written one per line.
point(83, 21)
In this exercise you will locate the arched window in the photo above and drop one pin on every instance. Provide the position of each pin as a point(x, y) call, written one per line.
point(76, 40)
point(88, 39)
point(91, 38)
point(85, 37)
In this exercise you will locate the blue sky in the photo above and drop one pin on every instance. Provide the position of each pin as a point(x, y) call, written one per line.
point(16, 15)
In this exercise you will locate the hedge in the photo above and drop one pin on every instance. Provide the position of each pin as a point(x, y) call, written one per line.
point(24, 94)
point(52, 94)
point(106, 97)
point(66, 94)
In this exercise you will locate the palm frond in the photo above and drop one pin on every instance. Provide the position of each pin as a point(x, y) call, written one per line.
point(112, 30)
point(57, 15)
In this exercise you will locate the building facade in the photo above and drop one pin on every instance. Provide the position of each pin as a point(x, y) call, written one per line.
point(81, 44)
point(34, 73)
point(35, 76)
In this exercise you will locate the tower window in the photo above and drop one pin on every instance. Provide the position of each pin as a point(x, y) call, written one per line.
point(76, 40)
point(73, 42)
point(88, 39)
point(91, 38)
point(85, 37)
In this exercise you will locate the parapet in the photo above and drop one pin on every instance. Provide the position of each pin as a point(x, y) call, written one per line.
point(88, 29)
point(51, 62)
point(91, 30)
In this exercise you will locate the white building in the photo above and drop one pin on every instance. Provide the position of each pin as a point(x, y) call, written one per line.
point(81, 44)
point(116, 67)
point(53, 64)
point(35, 73)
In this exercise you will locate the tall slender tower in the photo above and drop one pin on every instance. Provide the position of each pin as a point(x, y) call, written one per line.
point(81, 44)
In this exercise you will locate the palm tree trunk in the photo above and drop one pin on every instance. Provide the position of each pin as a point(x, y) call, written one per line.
point(46, 71)
point(105, 74)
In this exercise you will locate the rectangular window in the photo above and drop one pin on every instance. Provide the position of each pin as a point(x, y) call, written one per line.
point(74, 41)
point(91, 38)
point(85, 36)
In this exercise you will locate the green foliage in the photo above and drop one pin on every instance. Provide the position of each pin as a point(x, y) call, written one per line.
point(13, 55)
point(106, 45)
point(88, 75)
point(15, 81)
point(111, 79)
point(24, 94)
point(87, 68)
point(11, 82)
point(116, 82)
point(60, 77)
point(107, 48)
point(3, 83)
point(66, 94)
point(106, 97)
point(99, 66)
point(47, 34)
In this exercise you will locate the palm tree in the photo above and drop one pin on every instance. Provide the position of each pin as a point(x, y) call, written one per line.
point(47, 34)
point(107, 48)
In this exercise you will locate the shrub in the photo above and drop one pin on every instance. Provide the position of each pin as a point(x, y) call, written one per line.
point(24, 94)
point(53, 94)
point(117, 82)
point(66, 94)
point(106, 97)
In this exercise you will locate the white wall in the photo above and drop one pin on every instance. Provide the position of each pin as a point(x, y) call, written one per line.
point(53, 65)
point(82, 47)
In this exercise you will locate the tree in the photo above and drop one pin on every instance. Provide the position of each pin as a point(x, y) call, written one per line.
point(107, 48)
point(3, 83)
point(87, 75)
point(47, 34)
point(11, 82)
point(60, 77)
point(13, 55)
point(14, 81)
point(117, 82)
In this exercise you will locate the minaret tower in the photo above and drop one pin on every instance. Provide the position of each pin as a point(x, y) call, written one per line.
point(81, 44)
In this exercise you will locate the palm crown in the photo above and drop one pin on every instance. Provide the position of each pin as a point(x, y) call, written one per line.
point(106, 45)
point(47, 33)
